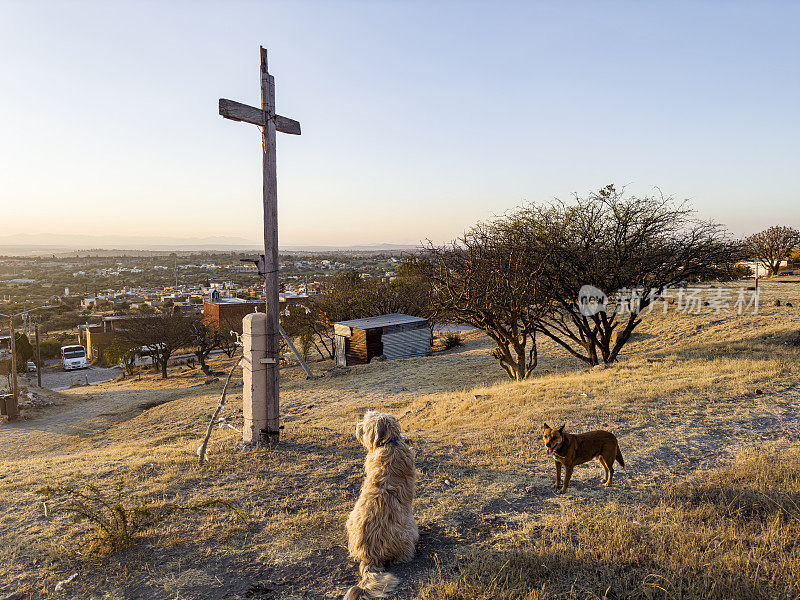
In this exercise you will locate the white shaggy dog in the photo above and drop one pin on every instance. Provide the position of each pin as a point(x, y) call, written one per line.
point(381, 529)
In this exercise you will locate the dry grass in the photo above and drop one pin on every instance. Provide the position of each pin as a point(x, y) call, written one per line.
point(729, 533)
point(683, 401)
point(112, 521)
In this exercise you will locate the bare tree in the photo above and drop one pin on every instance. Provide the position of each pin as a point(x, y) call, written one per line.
point(491, 278)
point(412, 293)
point(348, 297)
point(772, 246)
point(226, 335)
point(121, 352)
point(205, 339)
point(308, 321)
point(630, 248)
point(161, 335)
point(319, 315)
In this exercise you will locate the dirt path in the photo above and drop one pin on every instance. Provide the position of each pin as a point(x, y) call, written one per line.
point(58, 379)
point(79, 413)
point(676, 440)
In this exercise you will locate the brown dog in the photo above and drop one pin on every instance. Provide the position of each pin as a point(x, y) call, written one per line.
point(572, 449)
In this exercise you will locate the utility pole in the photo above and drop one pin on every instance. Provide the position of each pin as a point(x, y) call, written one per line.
point(11, 407)
point(38, 358)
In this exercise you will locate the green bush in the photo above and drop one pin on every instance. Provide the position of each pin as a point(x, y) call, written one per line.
point(61, 318)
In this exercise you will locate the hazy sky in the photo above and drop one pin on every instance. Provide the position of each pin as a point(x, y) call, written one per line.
point(418, 118)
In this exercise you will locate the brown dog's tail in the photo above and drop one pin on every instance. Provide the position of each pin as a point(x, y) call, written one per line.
point(373, 584)
point(619, 458)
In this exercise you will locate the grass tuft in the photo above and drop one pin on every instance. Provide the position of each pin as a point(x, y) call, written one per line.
point(451, 339)
point(113, 524)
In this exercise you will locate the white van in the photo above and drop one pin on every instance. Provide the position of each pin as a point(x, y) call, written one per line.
point(73, 357)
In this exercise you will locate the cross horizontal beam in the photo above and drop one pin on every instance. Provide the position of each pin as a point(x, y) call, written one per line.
point(236, 111)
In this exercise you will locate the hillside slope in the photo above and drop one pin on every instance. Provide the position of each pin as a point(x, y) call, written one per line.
point(690, 393)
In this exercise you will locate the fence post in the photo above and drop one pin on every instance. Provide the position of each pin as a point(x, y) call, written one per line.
point(254, 375)
point(12, 412)
point(38, 359)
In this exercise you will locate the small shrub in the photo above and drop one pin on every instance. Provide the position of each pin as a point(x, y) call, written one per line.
point(114, 520)
point(451, 339)
point(306, 340)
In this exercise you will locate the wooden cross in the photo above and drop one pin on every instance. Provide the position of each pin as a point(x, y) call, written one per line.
point(269, 122)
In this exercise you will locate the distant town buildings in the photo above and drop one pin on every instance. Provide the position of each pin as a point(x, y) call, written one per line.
point(102, 290)
point(228, 312)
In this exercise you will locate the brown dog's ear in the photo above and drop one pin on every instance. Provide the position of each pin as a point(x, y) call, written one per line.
point(546, 426)
point(561, 429)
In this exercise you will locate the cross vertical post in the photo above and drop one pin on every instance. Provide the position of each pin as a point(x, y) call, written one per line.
point(271, 266)
point(261, 398)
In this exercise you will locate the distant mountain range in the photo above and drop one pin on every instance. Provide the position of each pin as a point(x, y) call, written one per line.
point(43, 243)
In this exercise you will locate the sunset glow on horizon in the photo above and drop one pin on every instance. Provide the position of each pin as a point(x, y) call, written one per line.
point(418, 119)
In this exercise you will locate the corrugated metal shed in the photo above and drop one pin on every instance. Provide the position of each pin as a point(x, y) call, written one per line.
point(393, 336)
point(404, 341)
point(382, 321)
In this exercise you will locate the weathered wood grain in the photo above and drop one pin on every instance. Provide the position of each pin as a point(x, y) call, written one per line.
point(236, 111)
point(286, 125)
point(269, 122)
point(271, 265)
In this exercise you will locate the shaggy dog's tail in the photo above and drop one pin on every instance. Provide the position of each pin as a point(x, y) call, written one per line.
point(373, 584)
point(619, 458)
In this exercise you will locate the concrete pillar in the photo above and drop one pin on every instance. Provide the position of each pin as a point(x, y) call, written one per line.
point(254, 372)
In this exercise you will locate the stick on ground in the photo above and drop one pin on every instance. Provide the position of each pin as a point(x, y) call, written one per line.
point(202, 450)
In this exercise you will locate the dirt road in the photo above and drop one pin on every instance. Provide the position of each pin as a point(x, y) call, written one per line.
point(79, 412)
point(58, 379)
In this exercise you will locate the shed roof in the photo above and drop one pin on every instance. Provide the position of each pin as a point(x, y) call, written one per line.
point(382, 321)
